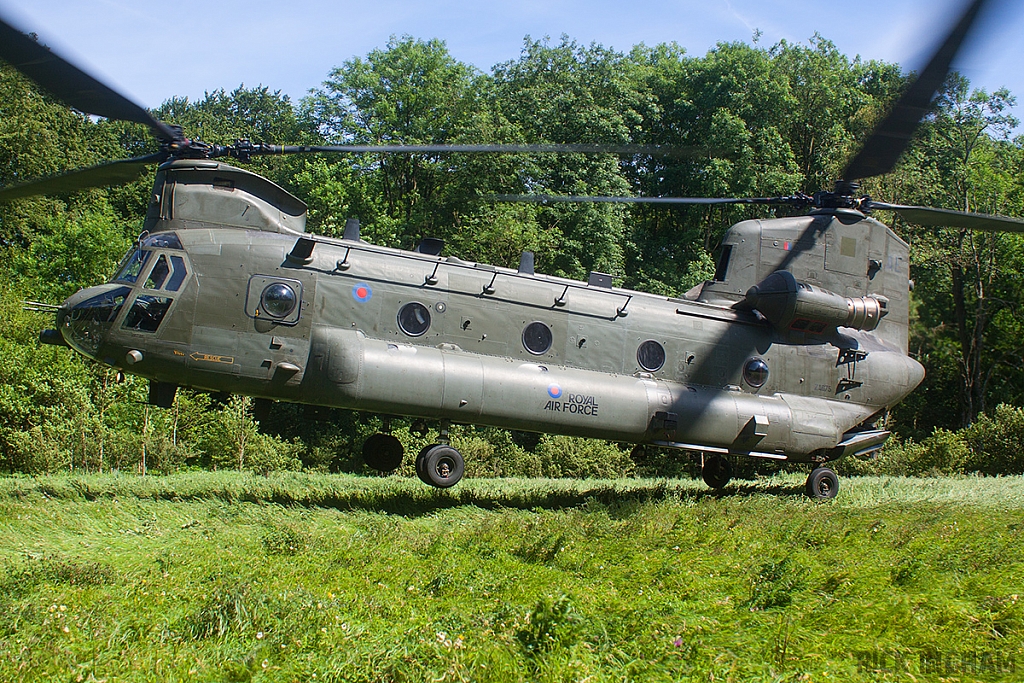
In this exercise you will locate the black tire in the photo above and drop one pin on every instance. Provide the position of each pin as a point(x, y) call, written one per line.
point(421, 464)
point(822, 484)
point(383, 452)
point(717, 471)
point(443, 466)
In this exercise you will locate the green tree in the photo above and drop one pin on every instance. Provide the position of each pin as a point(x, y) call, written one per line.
point(40, 137)
point(411, 92)
point(569, 93)
point(968, 282)
point(735, 104)
point(69, 252)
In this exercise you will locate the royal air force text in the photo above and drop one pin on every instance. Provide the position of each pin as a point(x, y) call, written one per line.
point(579, 404)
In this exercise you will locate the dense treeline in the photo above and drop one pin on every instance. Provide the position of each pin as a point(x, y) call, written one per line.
point(754, 121)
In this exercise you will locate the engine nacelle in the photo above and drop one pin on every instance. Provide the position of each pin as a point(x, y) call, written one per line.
point(801, 307)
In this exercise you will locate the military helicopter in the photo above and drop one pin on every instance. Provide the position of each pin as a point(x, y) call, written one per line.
point(793, 351)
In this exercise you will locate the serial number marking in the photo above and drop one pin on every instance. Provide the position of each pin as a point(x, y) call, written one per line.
point(212, 358)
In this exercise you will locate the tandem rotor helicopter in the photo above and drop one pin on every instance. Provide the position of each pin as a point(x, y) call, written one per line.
point(793, 351)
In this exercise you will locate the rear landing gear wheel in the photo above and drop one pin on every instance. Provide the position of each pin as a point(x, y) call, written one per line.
point(440, 465)
point(383, 452)
point(822, 484)
point(716, 472)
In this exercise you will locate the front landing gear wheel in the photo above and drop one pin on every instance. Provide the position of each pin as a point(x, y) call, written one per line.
point(716, 471)
point(822, 484)
point(421, 460)
point(383, 452)
point(440, 465)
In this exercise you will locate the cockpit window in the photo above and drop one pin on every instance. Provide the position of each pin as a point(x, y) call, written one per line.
point(168, 273)
point(178, 273)
point(102, 308)
point(162, 240)
point(146, 313)
point(158, 274)
point(132, 266)
point(89, 320)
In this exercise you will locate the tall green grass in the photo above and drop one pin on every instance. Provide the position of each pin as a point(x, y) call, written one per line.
point(223, 576)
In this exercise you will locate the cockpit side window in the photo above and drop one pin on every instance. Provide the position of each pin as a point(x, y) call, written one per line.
point(169, 271)
point(132, 266)
point(158, 274)
point(178, 273)
point(146, 313)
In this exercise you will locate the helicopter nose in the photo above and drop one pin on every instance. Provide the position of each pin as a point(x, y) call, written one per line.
point(84, 319)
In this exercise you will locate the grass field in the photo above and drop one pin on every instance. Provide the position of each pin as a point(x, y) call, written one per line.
point(233, 577)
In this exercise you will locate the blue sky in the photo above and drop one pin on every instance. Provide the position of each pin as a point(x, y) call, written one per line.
point(154, 50)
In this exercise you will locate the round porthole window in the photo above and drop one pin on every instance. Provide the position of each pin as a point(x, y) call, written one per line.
point(537, 338)
point(651, 356)
point(278, 300)
point(755, 372)
point(414, 319)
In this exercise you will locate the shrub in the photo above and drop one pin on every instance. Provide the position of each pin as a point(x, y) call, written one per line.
point(997, 442)
point(944, 452)
point(572, 456)
point(267, 453)
point(491, 452)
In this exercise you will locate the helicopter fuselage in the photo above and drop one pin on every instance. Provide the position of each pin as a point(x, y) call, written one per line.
point(244, 301)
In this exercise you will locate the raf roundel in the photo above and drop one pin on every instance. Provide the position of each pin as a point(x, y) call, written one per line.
point(555, 391)
point(362, 292)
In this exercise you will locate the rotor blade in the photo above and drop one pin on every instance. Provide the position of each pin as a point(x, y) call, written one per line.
point(797, 200)
point(102, 175)
point(884, 147)
point(70, 84)
point(243, 149)
point(946, 218)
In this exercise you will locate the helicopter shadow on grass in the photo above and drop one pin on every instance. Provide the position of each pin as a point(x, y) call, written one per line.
point(547, 495)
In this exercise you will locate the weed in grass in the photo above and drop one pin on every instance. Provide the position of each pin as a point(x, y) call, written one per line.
point(782, 641)
point(906, 570)
point(282, 539)
point(773, 584)
point(541, 550)
point(553, 622)
point(443, 583)
point(1006, 613)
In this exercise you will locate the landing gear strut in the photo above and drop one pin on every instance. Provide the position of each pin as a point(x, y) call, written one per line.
point(822, 484)
point(716, 471)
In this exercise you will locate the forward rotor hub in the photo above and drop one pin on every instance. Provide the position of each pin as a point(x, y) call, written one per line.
point(842, 197)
